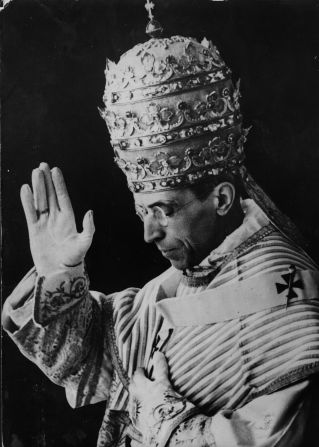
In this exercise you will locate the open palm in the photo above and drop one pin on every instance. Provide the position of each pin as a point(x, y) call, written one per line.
point(54, 240)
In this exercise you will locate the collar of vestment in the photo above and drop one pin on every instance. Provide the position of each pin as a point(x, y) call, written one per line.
point(254, 227)
point(240, 298)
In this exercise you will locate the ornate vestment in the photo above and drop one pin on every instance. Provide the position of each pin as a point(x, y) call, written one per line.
point(242, 325)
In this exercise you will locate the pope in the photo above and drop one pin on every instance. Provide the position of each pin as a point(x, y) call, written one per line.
point(221, 349)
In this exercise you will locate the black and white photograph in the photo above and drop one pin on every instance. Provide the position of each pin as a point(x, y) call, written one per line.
point(160, 223)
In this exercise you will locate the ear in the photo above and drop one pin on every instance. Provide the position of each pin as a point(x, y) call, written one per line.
point(225, 194)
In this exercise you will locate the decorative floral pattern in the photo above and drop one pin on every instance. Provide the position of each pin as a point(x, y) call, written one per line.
point(154, 119)
point(173, 404)
point(166, 167)
point(169, 88)
point(167, 103)
point(195, 431)
point(66, 295)
point(152, 65)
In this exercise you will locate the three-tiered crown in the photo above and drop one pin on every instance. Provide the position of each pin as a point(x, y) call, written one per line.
point(173, 114)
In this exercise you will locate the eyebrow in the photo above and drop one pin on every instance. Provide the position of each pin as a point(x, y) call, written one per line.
point(158, 203)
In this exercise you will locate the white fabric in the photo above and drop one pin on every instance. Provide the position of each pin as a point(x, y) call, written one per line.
point(228, 302)
point(215, 366)
point(275, 420)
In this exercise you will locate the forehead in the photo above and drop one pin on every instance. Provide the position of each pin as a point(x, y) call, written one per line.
point(176, 195)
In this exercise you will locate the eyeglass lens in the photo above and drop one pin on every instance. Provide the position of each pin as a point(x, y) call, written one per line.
point(156, 211)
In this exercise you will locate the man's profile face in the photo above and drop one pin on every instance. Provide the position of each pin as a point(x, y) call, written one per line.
point(181, 225)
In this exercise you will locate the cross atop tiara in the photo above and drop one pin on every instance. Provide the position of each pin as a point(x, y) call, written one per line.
point(153, 28)
point(149, 6)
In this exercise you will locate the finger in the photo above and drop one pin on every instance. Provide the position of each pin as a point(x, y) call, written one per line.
point(39, 192)
point(88, 226)
point(61, 191)
point(139, 379)
point(160, 367)
point(27, 201)
point(132, 389)
point(50, 190)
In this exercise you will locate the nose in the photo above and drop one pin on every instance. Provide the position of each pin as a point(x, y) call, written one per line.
point(153, 231)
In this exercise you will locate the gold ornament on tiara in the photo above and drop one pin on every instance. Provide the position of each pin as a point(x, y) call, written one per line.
point(173, 113)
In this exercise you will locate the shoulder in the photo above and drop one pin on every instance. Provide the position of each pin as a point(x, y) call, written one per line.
point(277, 250)
point(262, 254)
point(136, 298)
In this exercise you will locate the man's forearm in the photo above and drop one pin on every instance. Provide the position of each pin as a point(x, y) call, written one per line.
point(58, 326)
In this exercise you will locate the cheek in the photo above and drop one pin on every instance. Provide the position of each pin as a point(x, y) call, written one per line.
point(194, 230)
point(180, 233)
point(201, 228)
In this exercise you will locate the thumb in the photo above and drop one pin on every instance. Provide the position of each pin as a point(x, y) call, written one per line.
point(88, 226)
point(160, 367)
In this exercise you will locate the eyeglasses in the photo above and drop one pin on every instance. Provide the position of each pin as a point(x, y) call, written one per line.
point(161, 214)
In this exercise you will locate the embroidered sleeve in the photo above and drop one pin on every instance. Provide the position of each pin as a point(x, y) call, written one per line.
point(194, 432)
point(61, 327)
point(275, 419)
point(59, 293)
point(158, 415)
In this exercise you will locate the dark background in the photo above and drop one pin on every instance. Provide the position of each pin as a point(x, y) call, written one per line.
point(53, 60)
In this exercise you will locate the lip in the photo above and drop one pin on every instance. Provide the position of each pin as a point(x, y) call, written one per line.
point(167, 251)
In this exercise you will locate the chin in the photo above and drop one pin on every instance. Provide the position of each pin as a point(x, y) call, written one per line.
point(179, 259)
point(181, 264)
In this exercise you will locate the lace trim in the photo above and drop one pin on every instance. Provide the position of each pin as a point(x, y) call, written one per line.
point(93, 363)
point(111, 339)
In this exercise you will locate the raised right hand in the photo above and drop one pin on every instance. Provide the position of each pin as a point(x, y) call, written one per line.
point(54, 240)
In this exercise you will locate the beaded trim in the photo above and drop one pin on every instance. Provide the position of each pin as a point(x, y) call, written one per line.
point(155, 118)
point(117, 362)
point(164, 170)
point(189, 82)
point(186, 133)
